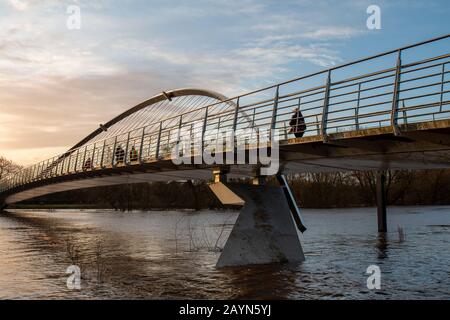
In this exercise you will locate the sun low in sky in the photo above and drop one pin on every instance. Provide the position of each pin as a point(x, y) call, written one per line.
point(58, 83)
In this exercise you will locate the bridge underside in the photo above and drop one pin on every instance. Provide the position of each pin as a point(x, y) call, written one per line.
point(420, 146)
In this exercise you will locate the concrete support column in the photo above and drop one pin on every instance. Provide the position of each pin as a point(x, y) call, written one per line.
point(265, 231)
point(381, 201)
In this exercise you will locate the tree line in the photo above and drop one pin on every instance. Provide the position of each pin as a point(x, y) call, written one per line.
point(7, 167)
point(312, 190)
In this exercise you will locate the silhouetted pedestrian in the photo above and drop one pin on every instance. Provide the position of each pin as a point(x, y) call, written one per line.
point(120, 154)
point(87, 164)
point(133, 154)
point(297, 124)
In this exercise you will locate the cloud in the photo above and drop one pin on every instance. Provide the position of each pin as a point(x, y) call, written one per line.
point(20, 5)
point(60, 84)
point(232, 64)
point(23, 5)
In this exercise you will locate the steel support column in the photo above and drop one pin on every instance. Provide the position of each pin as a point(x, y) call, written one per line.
point(326, 102)
point(381, 201)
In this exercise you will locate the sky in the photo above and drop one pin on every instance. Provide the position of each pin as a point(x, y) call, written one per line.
point(58, 84)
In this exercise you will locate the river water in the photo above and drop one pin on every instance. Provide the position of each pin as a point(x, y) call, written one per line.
point(172, 255)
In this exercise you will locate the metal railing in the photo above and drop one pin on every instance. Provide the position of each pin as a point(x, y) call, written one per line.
point(389, 96)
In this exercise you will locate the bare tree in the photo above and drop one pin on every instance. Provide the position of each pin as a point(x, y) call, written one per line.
point(7, 167)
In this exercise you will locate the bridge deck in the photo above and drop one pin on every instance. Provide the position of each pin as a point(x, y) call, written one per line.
point(424, 148)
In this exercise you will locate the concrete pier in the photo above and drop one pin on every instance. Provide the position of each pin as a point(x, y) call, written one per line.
point(381, 201)
point(265, 231)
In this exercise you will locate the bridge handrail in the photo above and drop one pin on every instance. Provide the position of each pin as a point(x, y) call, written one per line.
point(270, 114)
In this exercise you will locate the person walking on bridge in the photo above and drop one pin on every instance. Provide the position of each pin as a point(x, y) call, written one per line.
point(88, 164)
point(120, 155)
point(297, 124)
point(133, 154)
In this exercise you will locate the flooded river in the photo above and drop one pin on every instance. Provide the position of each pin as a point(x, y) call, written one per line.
point(172, 255)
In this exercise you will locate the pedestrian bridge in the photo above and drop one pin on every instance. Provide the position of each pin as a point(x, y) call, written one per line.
point(388, 111)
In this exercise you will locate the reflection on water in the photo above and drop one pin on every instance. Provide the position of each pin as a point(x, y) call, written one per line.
point(172, 255)
point(382, 245)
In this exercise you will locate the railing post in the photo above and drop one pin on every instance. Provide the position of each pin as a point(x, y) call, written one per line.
point(62, 166)
point(76, 161)
point(93, 156)
point(326, 102)
point(442, 86)
point(236, 113)
point(141, 147)
point(235, 120)
point(177, 147)
point(317, 125)
point(285, 131)
point(113, 155)
point(47, 172)
point(68, 163)
point(253, 123)
point(84, 158)
point(274, 113)
point(300, 109)
point(55, 166)
point(357, 107)
point(180, 124)
point(205, 122)
point(192, 139)
point(127, 147)
point(253, 118)
point(103, 154)
point(218, 131)
point(41, 170)
point(33, 173)
point(159, 140)
point(396, 94)
point(52, 167)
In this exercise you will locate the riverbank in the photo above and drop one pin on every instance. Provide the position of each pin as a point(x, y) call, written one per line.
point(312, 190)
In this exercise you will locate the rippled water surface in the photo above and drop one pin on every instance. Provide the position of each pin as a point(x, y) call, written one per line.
point(172, 255)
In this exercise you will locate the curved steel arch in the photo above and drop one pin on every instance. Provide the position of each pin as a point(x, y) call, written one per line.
point(153, 100)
